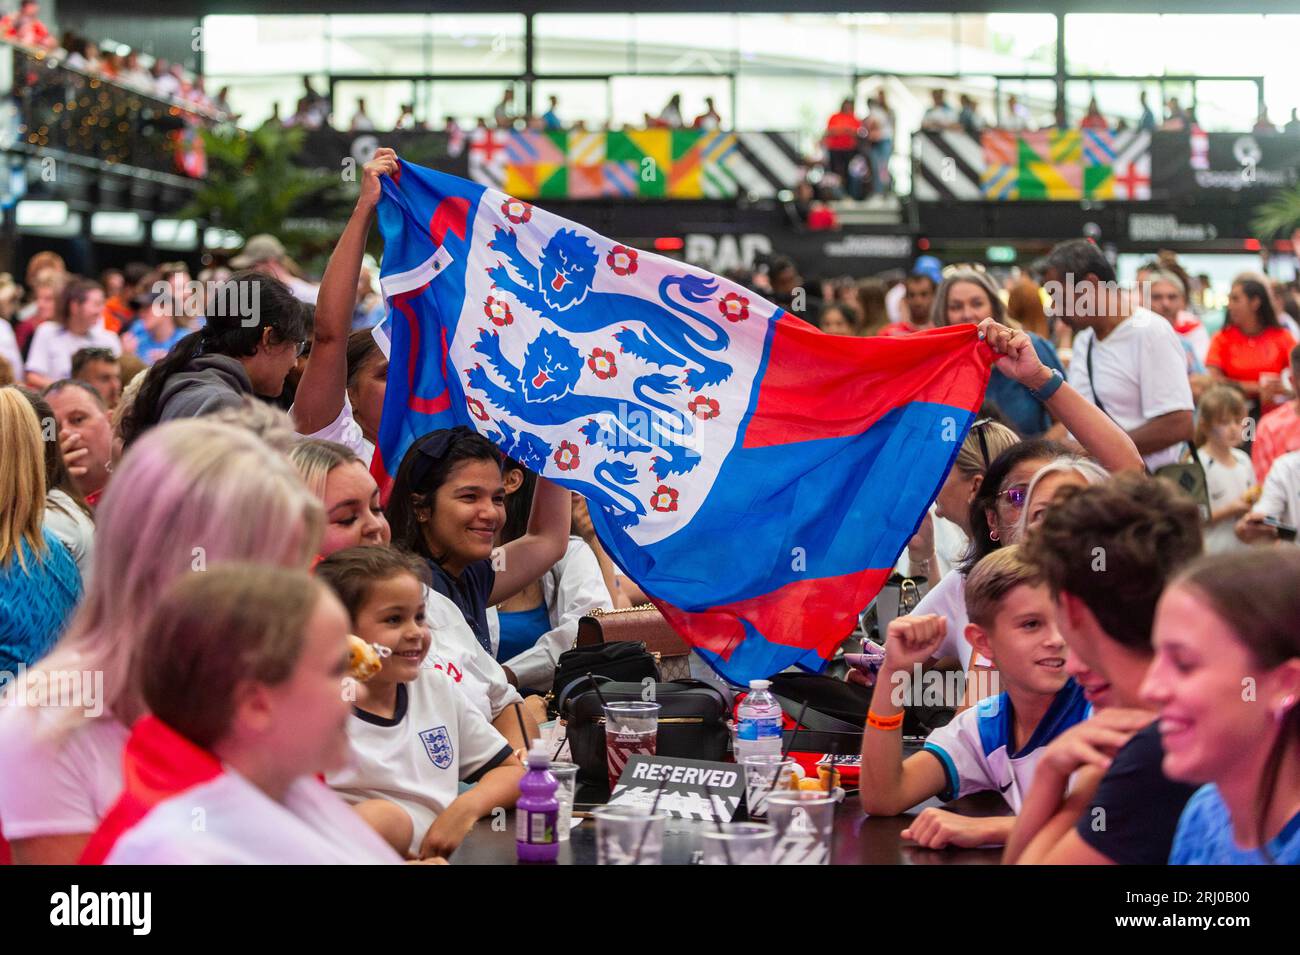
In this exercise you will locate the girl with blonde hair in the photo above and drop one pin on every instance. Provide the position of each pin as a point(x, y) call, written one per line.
point(39, 581)
point(192, 493)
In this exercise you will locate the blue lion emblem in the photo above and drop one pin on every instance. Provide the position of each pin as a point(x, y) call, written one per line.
point(559, 288)
point(546, 383)
point(437, 744)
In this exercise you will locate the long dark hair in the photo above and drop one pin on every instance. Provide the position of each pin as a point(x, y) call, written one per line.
point(423, 470)
point(287, 318)
point(981, 545)
point(519, 505)
point(1251, 287)
point(1257, 593)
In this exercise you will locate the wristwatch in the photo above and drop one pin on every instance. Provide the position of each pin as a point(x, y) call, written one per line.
point(1053, 385)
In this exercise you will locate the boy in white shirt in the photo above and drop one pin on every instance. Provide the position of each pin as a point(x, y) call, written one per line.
point(414, 736)
point(993, 745)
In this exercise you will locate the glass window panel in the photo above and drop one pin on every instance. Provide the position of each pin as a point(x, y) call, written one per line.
point(1037, 96)
point(384, 100)
point(1117, 99)
point(1223, 106)
point(635, 96)
point(583, 43)
point(477, 43)
point(467, 100)
point(257, 45)
point(904, 43)
point(684, 43)
point(1006, 43)
point(254, 97)
point(805, 42)
point(586, 100)
point(379, 44)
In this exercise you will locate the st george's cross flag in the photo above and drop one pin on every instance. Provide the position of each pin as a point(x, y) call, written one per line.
point(755, 477)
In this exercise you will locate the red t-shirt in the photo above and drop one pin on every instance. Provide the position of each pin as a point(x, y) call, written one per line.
point(1278, 432)
point(1244, 358)
point(842, 132)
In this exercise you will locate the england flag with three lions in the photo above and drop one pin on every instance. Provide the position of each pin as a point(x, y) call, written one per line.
point(757, 478)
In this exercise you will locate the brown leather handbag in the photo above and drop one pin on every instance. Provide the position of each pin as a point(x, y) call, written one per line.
point(642, 624)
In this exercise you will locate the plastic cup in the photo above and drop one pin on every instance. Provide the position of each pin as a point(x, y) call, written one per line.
point(629, 835)
point(765, 775)
point(631, 729)
point(566, 774)
point(739, 843)
point(804, 822)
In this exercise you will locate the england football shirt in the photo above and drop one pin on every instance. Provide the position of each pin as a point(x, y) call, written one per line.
point(434, 740)
point(975, 749)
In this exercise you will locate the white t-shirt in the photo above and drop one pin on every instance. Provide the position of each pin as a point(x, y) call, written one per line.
point(344, 430)
point(418, 758)
point(975, 748)
point(244, 826)
point(947, 598)
point(53, 346)
point(1280, 497)
point(456, 652)
point(70, 524)
point(303, 290)
point(10, 351)
point(56, 786)
point(1141, 374)
point(1225, 484)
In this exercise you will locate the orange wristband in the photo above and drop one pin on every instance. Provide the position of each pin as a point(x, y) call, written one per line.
point(885, 722)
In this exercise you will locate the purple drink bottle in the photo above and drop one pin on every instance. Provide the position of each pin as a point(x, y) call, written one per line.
point(536, 813)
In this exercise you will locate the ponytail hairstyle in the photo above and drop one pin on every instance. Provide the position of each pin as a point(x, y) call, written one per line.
point(246, 305)
point(1267, 582)
point(423, 470)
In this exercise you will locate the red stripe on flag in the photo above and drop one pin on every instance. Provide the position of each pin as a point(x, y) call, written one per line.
point(832, 386)
point(451, 215)
point(442, 401)
point(812, 614)
point(157, 763)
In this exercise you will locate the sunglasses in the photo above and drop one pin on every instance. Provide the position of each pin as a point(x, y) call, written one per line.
point(1015, 495)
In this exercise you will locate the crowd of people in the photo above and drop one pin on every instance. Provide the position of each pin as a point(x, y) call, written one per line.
point(114, 62)
point(187, 511)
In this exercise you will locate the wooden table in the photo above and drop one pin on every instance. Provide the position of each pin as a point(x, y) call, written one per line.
point(858, 839)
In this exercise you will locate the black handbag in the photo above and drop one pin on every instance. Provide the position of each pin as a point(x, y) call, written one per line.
point(837, 712)
point(692, 721)
point(620, 661)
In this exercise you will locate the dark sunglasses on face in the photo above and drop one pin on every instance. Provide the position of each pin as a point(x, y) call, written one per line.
point(1014, 495)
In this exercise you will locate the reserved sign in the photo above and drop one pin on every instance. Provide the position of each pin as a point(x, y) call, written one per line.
point(691, 788)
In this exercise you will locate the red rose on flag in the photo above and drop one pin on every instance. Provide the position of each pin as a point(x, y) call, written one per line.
point(566, 459)
point(704, 408)
point(476, 409)
point(516, 211)
point(621, 260)
point(734, 307)
point(601, 362)
point(664, 499)
point(498, 311)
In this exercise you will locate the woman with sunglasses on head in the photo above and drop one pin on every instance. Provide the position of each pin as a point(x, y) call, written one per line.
point(967, 295)
point(995, 499)
point(247, 346)
point(447, 502)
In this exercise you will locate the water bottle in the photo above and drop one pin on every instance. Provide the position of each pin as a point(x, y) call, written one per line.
point(537, 812)
point(759, 729)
